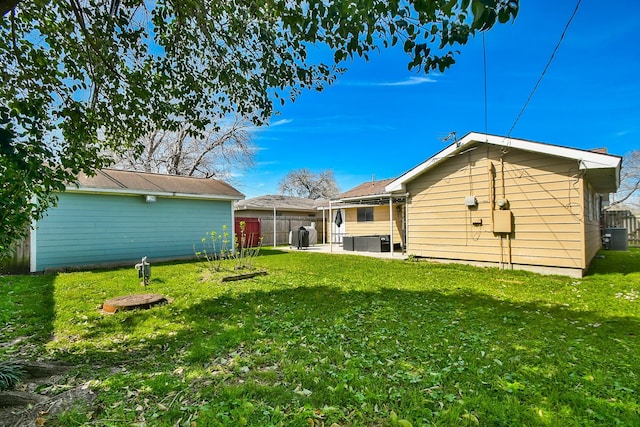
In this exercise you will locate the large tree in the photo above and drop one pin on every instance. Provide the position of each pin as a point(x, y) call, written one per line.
point(309, 185)
point(629, 182)
point(218, 153)
point(82, 77)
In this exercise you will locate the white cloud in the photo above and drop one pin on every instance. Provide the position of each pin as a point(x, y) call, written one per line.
point(622, 133)
point(409, 82)
point(280, 122)
point(267, 163)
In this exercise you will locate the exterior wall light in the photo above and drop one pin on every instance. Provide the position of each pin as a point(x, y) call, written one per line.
point(149, 198)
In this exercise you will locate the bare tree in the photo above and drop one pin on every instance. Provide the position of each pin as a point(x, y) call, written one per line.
point(219, 153)
point(309, 185)
point(629, 181)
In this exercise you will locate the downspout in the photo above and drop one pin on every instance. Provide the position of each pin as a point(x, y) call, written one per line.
point(504, 196)
point(492, 204)
point(502, 235)
point(274, 227)
point(492, 190)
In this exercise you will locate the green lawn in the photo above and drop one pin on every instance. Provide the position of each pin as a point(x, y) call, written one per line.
point(354, 341)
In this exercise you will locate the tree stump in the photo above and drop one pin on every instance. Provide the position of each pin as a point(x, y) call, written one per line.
point(131, 302)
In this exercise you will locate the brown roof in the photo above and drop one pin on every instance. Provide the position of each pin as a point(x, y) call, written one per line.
point(267, 202)
point(369, 188)
point(119, 181)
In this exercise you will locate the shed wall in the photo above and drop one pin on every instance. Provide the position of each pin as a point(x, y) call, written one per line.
point(545, 195)
point(89, 229)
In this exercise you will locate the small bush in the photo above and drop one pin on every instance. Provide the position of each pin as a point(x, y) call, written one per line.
point(216, 248)
point(10, 375)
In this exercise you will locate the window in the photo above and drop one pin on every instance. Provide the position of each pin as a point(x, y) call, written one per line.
point(591, 204)
point(365, 214)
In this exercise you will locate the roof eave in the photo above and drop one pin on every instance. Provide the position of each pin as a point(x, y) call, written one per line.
point(370, 196)
point(270, 208)
point(587, 160)
point(131, 192)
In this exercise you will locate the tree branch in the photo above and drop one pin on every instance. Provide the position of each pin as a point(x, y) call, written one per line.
point(14, 42)
point(7, 6)
point(630, 193)
point(78, 13)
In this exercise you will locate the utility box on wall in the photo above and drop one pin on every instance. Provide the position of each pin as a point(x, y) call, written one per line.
point(470, 201)
point(502, 221)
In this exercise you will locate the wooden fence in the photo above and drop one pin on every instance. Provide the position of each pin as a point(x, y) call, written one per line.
point(18, 261)
point(624, 219)
point(284, 224)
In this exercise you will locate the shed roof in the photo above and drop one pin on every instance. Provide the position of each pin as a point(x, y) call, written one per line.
point(603, 170)
point(280, 202)
point(133, 182)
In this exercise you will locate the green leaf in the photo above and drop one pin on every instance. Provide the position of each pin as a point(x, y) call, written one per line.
point(408, 45)
point(479, 11)
point(124, 72)
point(504, 16)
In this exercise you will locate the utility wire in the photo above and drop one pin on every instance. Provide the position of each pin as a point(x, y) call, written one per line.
point(524, 107)
point(486, 108)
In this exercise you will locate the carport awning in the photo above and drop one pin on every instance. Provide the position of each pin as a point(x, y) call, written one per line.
point(379, 199)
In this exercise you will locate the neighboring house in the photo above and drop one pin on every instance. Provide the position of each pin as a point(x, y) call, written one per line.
point(507, 202)
point(368, 210)
point(263, 206)
point(117, 217)
point(287, 213)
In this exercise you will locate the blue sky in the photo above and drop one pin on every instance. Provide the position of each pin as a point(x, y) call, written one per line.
point(380, 119)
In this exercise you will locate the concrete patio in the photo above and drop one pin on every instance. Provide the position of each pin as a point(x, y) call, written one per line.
point(336, 248)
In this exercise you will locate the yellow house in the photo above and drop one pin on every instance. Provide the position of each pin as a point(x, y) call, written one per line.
point(368, 212)
point(498, 201)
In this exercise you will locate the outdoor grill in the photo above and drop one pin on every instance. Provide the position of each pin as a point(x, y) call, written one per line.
point(303, 237)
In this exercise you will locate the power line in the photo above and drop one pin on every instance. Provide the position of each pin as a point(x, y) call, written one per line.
point(524, 107)
point(486, 108)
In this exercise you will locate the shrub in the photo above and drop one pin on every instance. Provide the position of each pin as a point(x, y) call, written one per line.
point(10, 375)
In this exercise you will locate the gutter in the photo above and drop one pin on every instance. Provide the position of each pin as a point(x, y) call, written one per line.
point(129, 192)
point(376, 196)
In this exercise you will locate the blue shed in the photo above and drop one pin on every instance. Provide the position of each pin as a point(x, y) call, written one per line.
point(117, 217)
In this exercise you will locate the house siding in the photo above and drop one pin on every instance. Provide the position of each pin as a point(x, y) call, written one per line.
point(379, 225)
point(545, 196)
point(90, 229)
